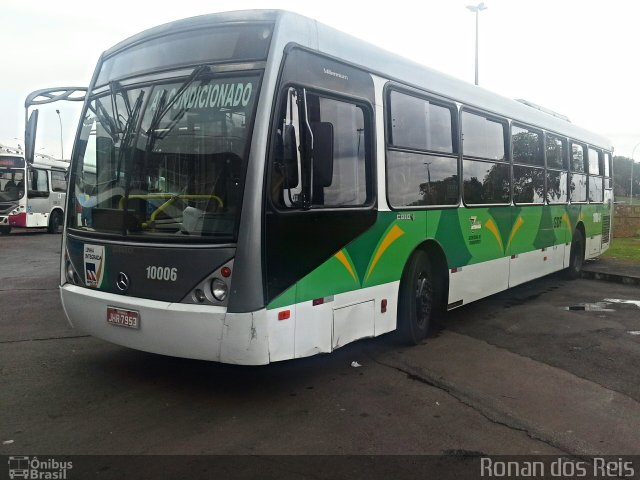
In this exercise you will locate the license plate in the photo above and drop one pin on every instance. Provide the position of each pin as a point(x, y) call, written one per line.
point(123, 318)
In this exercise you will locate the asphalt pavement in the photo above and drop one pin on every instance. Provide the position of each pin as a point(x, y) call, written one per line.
point(549, 367)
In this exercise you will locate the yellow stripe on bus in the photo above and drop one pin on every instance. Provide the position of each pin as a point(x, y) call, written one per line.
point(491, 226)
point(514, 230)
point(342, 258)
point(393, 234)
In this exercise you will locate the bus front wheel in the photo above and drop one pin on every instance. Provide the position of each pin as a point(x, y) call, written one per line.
point(55, 222)
point(415, 299)
point(5, 229)
point(576, 257)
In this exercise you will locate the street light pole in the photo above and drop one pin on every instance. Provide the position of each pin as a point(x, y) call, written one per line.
point(477, 9)
point(61, 144)
point(631, 187)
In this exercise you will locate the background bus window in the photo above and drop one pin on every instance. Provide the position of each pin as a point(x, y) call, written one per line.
point(578, 185)
point(11, 184)
point(58, 181)
point(557, 177)
point(595, 176)
point(528, 181)
point(38, 182)
point(485, 181)
point(416, 175)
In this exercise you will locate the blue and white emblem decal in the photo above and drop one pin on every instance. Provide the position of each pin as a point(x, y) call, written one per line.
point(93, 265)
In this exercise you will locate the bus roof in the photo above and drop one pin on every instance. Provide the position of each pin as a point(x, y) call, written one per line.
point(47, 161)
point(11, 151)
point(292, 27)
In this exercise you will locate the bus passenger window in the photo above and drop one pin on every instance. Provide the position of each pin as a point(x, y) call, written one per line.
point(607, 171)
point(595, 176)
point(557, 177)
point(577, 158)
point(578, 182)
point(486, 176)
point(529, 177)
point(422, 165)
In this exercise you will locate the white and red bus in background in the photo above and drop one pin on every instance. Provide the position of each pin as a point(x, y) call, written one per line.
point(31, 196)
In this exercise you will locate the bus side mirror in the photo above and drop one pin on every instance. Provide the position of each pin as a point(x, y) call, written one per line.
point(322, 153)
point(30, 136)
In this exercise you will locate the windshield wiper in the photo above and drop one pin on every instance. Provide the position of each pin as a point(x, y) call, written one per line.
point(163, 109)
point(104, 118)
point(127, 134)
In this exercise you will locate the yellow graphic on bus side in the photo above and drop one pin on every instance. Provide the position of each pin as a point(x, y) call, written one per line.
point(492, 227)
point(342, 258)
point(514, 230)
point(392, 235)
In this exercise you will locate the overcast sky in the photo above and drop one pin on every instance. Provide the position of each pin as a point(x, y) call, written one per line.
point(576, 57)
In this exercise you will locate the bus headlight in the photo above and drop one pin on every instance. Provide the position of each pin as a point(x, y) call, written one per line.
point(219, 289)
point(72, 276)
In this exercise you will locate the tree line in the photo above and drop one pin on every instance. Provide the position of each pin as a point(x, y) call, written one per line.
point(622, 177)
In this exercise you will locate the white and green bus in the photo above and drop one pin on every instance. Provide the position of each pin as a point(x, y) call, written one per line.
point(249, 187)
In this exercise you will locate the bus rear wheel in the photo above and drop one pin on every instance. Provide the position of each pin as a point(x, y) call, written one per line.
point(5, 229)
point(55, 222)
point(415, 300)
point(576, 257)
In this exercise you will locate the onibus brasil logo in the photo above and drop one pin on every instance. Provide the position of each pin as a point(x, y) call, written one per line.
point(33, 468)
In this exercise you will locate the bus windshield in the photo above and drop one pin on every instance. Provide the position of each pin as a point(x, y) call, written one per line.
point(165, 160)
point(11, 184)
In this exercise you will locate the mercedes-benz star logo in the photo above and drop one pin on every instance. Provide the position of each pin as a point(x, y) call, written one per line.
point(122, 282)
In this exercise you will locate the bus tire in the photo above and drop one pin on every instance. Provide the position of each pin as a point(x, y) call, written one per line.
point(415, 299)
point(5, 229)
point(576, 257)
point(55, 222)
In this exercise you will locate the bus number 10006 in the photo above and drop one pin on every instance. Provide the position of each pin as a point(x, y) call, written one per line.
point(167, 274)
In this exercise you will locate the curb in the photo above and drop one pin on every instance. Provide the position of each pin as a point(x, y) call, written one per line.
point(610, 277)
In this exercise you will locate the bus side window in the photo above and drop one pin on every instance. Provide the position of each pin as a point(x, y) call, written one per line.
point(557, 164)
point(578, 179)
point(38, 183)
point(339, 134)
point(342, 157)
point(58, 181)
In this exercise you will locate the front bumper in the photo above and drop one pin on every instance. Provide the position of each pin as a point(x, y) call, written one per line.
point(175, 329)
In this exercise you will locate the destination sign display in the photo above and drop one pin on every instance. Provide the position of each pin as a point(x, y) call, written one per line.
point(11, 162)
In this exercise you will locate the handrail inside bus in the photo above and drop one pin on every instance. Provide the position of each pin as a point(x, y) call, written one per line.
point(171, 198)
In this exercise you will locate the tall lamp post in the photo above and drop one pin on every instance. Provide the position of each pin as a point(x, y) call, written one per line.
point(631, 187)
point(61, 144)
point(477, 9)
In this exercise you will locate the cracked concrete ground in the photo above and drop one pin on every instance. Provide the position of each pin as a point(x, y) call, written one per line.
point(517, 373)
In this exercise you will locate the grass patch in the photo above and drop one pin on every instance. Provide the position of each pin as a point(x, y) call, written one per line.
point(624, 249)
